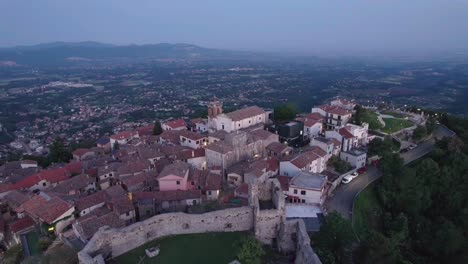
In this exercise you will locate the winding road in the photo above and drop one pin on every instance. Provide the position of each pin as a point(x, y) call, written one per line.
point(343, 196)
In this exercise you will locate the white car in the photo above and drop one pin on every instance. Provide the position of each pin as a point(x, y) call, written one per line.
point(348, 178)
point(412, 146)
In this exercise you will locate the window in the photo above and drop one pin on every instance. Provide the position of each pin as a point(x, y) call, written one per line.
point(250, 121)
point(44, 184)
point(295, 191)
point(209, 192)
point(194, 202)
point(127, 214)
point(259, 118)
point(193, 183)
point(303, 201)
point(239, 125)
point(110, 174)
point(178, 182)
point(303, 192)
point(222, 127)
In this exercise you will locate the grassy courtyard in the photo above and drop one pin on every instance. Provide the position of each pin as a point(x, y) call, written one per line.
point(371, 118)
point(394, 114)
point(367, 211)
point(394, 124)
point(193, 248)
point(33, 243)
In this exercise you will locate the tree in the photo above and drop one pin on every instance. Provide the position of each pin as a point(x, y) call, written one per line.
point(336, 237)
point(419, 132)
point(339, 165)
point(58, 152)
point(284, 112)
point(157, 130)
point(13, 255)
point(116, 146)
point(61, 254)
point(251, 251)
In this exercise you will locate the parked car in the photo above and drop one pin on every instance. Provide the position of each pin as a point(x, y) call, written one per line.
point(348, 178)
point(362, 170)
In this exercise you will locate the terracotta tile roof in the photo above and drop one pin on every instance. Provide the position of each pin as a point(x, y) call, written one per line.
point(318, 151)
point(310, 122)
point(52, 176)
point(74, 167)
point(123, 135)
point(15, 199)
point(178, 123)
point(197, 121)
point(345, 133)
point(81, 151)
point(304, 159)
point(138, 179)
point(133, 166)
point(213, 182)
point(336, 142)
point(89, 226)
point(74, 183)
point(91, 200)
point(334, 109)
point(172, 136)
point(178, 168)
point(220, 134)
point(284, 182)
point(191, 135)
point(220, 147)
point(261, 134)
point(46, 207)
point(187, 154)
point(145, 131)
point(314, 116)
point(121, 205)
point(245, 113)
point(22, 224)
point(277, 147)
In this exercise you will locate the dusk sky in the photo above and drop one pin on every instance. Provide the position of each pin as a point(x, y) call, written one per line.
point(302, 26)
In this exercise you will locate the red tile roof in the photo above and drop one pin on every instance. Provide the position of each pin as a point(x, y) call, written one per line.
point(246, 113)
point(46, 207)
point(123, 135)
point(91, 200)
point(284, 181)
point(304, 159)
point(191, 135)
point(145, 131)
point(345, 133)
point(242, 190)
point(336, 110)
point(22, 224)
point(81, 151)
point(52, 176)
point(178, 123)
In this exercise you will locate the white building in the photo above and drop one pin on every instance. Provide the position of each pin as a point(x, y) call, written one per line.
point(307, 188)
point(178, 124)
point(347, 140)
point(343, 103)
point(123, 138)
point(360, 133)
point(239, 119)
point(313, 161)
point(192, 139)
point(355, 157)
point(335, 116)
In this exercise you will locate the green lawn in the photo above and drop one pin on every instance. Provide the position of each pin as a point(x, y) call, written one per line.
point(367, 211)
point(371, 118)
point(193, 248)
point(33, 243)
point(394, 114)
point(395, 124)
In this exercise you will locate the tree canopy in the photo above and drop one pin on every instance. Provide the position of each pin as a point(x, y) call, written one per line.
point(157, 130)
point(285, 112)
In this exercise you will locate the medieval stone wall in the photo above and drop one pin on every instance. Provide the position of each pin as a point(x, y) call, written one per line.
point(122, 240)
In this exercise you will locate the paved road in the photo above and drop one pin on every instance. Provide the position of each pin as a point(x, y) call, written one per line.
point(343, 196)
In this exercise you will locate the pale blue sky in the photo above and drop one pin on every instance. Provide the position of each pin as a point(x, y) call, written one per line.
point(303, 26)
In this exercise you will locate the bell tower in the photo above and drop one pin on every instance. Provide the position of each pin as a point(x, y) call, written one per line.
point(215, 108)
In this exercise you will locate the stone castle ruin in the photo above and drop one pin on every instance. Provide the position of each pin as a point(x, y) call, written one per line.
point(265, 216)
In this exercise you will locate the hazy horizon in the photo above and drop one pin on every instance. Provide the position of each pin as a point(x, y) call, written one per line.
point(305, 27)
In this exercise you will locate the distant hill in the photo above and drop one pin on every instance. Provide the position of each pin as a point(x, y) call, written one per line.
point(57, 53)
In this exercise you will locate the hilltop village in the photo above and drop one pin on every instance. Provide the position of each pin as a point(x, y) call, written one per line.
point(277, 174)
